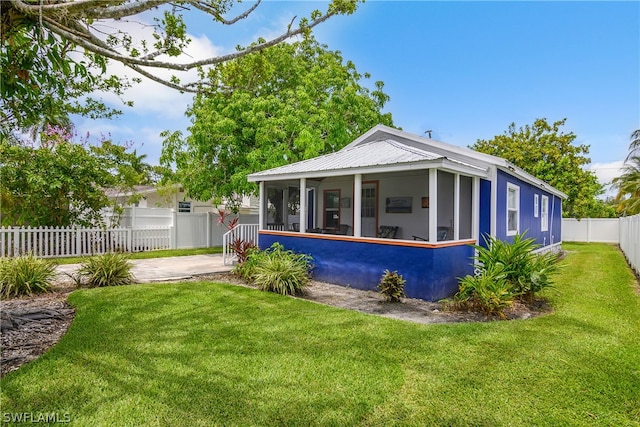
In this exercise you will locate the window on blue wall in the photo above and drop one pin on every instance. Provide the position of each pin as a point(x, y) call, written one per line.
point(513, 209)
point(535, 206)
point(544, 214)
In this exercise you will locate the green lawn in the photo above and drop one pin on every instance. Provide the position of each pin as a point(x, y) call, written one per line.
point(211, 354)
point(149, 254)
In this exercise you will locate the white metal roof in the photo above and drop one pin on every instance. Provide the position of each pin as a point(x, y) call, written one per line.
point(385, 149)
point(370, 155)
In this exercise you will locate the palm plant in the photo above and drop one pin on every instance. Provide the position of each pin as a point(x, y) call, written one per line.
point(634, 146)
point(628, 184)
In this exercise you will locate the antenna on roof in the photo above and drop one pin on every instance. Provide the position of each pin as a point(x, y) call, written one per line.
point(428, 132)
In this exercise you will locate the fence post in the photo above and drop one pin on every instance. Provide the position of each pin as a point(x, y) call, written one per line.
point(208, 229)
point(174, 229)
point(16, 237)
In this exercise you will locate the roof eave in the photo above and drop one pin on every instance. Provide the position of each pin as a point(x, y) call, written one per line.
point(527, 177)
point(444, 164)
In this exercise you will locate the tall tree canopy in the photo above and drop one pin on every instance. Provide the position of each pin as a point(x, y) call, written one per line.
point(287, 103)
point(61, 183)
point(546, 152)
point(56, 52)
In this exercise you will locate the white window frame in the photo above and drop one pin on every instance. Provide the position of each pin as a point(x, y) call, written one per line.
point(544, 214)
point(516, 189)
point(182, 207)
point(535, 205)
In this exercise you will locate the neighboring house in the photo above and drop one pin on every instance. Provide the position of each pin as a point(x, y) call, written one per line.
point(150, 196)
point(397, 201)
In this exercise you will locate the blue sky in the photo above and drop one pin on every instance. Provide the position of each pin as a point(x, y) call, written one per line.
point(465, 70)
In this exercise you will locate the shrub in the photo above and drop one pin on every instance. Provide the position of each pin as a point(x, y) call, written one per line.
point(25, 275)
point(242, 248)
point(527, 272)
point(110, 269)
point(391, 286)
point(246, 269)
point(489, 291)
point(280, 271)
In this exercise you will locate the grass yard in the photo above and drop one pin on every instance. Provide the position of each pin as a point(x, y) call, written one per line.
point(149, 254)
point(206, 354)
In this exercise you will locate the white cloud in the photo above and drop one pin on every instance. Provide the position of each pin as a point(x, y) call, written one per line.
point(153, 97)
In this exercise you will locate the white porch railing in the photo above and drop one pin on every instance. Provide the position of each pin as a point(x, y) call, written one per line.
point(64, 242)
point(246, 232)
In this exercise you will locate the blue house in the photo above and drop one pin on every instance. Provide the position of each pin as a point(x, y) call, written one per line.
point(397, 201)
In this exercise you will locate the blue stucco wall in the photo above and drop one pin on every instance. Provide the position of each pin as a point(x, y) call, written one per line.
point(528, 222)
point(485, 211)
point(430, 273)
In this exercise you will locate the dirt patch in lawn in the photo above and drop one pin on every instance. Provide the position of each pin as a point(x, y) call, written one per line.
point(31, 325)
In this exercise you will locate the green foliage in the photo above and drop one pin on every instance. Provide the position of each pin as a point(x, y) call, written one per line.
point(61, 183)
point(391, 286)
point(110, 269)
point(284, 104)
point(25, 275)
point(41, 82)
point(246, 269)
point(546, 152)
point(302, 364)
point(55, 54)
point(628, 186)
point(278, 270)
point(489, 291)
point(506, 270)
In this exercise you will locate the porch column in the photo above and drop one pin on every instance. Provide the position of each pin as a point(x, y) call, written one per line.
point(357, 205)
point(261, 205)
point(456, 207)
point(303, 205)
point(433, 205)
point(475, 209)
point(285, 208)
point(494, 201)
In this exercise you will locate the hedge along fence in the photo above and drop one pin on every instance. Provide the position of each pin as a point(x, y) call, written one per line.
point(64, 242)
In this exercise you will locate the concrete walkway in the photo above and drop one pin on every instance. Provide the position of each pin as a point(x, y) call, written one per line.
point(167, 269)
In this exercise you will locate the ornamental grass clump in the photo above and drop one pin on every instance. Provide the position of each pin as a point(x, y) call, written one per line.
point(391, 286)
point(110, 269)
point(25, 275)
point(280, 271)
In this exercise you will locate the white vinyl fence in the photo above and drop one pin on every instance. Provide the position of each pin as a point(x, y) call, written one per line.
point(604, 230)
point(141, 229)
point(630, 240)
point(62, 242)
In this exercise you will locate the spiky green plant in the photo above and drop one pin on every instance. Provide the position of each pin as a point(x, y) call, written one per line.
point(281, 271)
point(110, 269)
point(489, 291)
point(25, 275)
point(526, 271)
